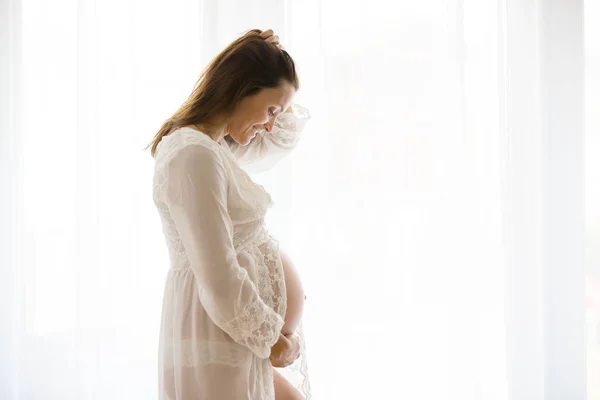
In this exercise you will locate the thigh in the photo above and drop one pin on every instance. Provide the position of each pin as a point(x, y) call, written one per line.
point(283, 389)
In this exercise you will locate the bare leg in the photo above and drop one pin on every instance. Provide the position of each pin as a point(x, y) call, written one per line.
point(283, 389)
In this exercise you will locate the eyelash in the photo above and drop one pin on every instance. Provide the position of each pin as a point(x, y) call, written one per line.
point(271, 113)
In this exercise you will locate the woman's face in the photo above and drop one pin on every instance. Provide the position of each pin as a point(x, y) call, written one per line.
point(258, 112)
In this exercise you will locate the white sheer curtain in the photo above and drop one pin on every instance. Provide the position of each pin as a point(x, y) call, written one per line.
point(592, 192)
point(434, 206)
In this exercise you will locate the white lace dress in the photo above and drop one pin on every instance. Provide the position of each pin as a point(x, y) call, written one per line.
point(224, 299)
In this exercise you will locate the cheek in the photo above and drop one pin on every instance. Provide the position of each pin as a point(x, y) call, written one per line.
point(240, 122)
point(259, 117)
point(249, 116)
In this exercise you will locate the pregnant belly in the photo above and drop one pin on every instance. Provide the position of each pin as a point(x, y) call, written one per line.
point(295, 295)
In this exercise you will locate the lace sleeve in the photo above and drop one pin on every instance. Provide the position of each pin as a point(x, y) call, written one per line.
point(267, 148)
point(196, 195)
point(255, 326)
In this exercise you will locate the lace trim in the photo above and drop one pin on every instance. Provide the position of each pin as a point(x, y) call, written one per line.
point(260, 200)
point(271, 279)
point(257, 328)
point(249, 234)
point(288, 126)
point(267, 201)
point(250, 205)
point(302, 366)
point(297, 373)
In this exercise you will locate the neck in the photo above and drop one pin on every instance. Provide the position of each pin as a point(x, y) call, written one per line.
point(215, 132)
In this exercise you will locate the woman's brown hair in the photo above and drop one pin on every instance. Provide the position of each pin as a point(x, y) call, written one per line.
point(248, 65)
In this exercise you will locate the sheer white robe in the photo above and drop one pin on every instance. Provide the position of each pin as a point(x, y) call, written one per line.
point(224, 299)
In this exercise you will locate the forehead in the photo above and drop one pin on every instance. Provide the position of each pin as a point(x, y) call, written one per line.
point(282, 94)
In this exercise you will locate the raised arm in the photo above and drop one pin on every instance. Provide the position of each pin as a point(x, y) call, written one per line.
point(197, 201)
point(267, 148)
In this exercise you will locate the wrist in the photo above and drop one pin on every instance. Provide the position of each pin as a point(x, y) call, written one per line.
point(278, 347)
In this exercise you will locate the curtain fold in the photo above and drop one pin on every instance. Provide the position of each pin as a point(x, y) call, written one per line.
point(9, 182)
point(434, 207)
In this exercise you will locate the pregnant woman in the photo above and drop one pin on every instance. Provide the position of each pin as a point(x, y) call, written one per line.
point(233, 301)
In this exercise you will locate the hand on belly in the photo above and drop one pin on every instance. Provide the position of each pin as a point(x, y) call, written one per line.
point(295, 295)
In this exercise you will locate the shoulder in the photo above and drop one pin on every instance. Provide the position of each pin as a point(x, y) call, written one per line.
point(188, 148)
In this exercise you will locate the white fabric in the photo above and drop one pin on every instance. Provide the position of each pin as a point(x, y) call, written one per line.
point(267, 149)
point(413, 210)
point(224, 299)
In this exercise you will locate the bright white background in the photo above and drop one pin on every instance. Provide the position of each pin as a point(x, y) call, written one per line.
point(434, 207)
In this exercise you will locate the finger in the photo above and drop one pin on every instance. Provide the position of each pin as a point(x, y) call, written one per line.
point(267, 33)
point(273, 39)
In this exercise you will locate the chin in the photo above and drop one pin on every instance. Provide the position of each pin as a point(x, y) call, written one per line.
point(249, 138)
point(244, 140)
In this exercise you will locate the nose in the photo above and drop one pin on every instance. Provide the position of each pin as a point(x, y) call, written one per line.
point(269, 124)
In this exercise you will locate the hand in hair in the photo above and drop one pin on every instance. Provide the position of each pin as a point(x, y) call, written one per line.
point(271, 37)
